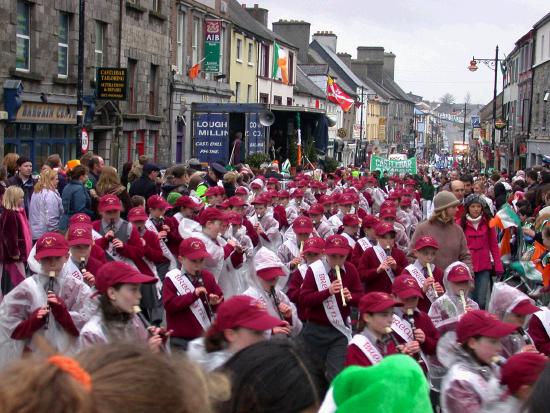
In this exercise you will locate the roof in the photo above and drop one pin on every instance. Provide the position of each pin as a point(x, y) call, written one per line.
point(315, 69)
point(394, 88)
point(542, 21)
point(305, 86)
point(247, 23)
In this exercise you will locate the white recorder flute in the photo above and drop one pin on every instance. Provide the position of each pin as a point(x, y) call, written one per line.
point(429, 270)
point(463, 299)
point(339, 278)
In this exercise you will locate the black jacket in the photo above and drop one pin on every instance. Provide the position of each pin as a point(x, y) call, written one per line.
point(143, 186)
point(27, 187)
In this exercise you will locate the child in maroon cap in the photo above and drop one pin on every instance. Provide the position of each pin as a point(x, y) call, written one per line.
point(471, 383)
point(118, 285)
point(430, 280)
point(420, 341)
point(313, 251)
point(383, 262)
point(539, 330)
point(190, 295)
point(320, 222)
point(268, 269)
point(119, 240)
point(366, 240)
point(373, 342)
point(266, 226)
point(166, 227)
point(327, 331)
point(290, 252)
point(350, 229)
point(48, 303)
point(81, 263)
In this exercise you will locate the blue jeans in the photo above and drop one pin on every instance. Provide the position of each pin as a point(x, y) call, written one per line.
point(482, 288)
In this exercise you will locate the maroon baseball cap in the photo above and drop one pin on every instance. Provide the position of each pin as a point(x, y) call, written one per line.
point(405, 286)
point(193, 249)
point(388, 213)
point(221, 190)
point(316, 209)
point(302, 225)
point(346, 199)
point(406, 202)
point(481, 323)
point(211, 214)
point(284, 194)
point(244, 311)
point(297, 193)
point(118, 272)
point(241, 190)
point(51, 244)
point(326, 199)
point(235, 201)
point(234, 218)
point(384, 228)
point(186, 202)
point(370, 221)
point(376, 302)
point(260, 200)
point(271, 273)
point(80, 234)
point(272, 181)
point(137, 214)
point(525, 307)
point(80, 218)
point(337, 244)
point(256, 184)
point(109, 203)
point(351, 220)
point(522, 369)
point(459, 273)
point(314, 245)
point(157, 202)
point(426, 241)
point(212, 191)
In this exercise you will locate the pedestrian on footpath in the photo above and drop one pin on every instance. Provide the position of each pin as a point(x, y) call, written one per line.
point(75, 197)
point(24, 180)
point(46, 207)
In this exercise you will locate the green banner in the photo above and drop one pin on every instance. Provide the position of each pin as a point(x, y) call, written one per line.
point(392, 166)
point(212, 46)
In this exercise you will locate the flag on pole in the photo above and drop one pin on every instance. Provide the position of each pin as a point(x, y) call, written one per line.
point(505, 219)
point(285, 167)
point(299, 133)
point(280, 63)
point(335, 94)
point(194, 71)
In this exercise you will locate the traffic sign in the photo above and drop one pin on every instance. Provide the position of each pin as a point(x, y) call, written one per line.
point(84, 140)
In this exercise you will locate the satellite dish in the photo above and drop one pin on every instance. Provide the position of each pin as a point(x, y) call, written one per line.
point(267, 118)
point(331, 119)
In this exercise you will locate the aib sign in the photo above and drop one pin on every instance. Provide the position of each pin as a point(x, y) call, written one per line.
point(211, 133)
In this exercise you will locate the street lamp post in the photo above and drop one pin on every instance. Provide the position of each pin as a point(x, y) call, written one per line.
point(358, 150)
point(493, 64)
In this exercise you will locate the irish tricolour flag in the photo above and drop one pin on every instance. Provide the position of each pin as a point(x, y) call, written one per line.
point(505, 219)
point(280, 63)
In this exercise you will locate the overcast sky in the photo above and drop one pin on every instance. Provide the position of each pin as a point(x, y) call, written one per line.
point(434, 40)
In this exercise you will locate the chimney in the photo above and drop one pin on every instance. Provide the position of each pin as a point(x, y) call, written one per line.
point(373, 59)
point(259, 14)
point(327, 39)
point(346, 58)
point(297, 33)
point(389, 64)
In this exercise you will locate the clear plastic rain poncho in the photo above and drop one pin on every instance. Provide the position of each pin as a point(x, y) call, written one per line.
point(265, 258)
point(30, 295)
point(504, 298)
point(234, 281)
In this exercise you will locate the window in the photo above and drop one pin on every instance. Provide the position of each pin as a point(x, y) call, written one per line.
point(248, 93)
point(264, 98)
point(277, 100)
point(63, 45)
point(289, 101)
point(132, 90)
point(180, 50)
point(99, 45)
point(290, 68)
point(195, 40)
point(23, 54)
point(157, 6)
point(264, 60)
point(239, 50)
point(237, 91)
point(153, 90)
point(250, 53)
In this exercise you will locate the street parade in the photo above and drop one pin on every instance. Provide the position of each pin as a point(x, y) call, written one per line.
point(360, 249)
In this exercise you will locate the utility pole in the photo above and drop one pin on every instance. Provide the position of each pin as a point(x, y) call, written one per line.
point(464, 123)
point(493, 131)
point(80, 76)
point(358, 151)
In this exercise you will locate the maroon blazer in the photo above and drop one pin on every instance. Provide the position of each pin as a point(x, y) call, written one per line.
point(12, 243)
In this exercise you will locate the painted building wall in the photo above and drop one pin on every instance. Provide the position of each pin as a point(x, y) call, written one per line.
point(243, 61)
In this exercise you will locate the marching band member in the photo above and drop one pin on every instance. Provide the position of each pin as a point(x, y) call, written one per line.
point(49, 303)
point(406, 217)
point(425, 250)
point(328, 285)
point(263, 287)
point(219, 250)
point(447, 309)
point(401, 239)
point(165, 227)
point(320, 223)
point(81, 264)
point(279, 212)
point(373, 343)
point(234, 279)
point(368, 225)
point(243, 193)
point(296, 206)
point(350, 224)
point(328, 205)
point(237, 204)
point(313, 251)
point(382, 262)
point(257, 186)
point(266, 226)
point(188, 211)
point(414, 327)
point(240, 322)
point(117, 233)
point(214, 196)
point(539, 330)
point(471, 383)
point(290, 252)
point(118, 285)
point(190, 295)
point(512, 306)
point(345, 203)
point(291, 213)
